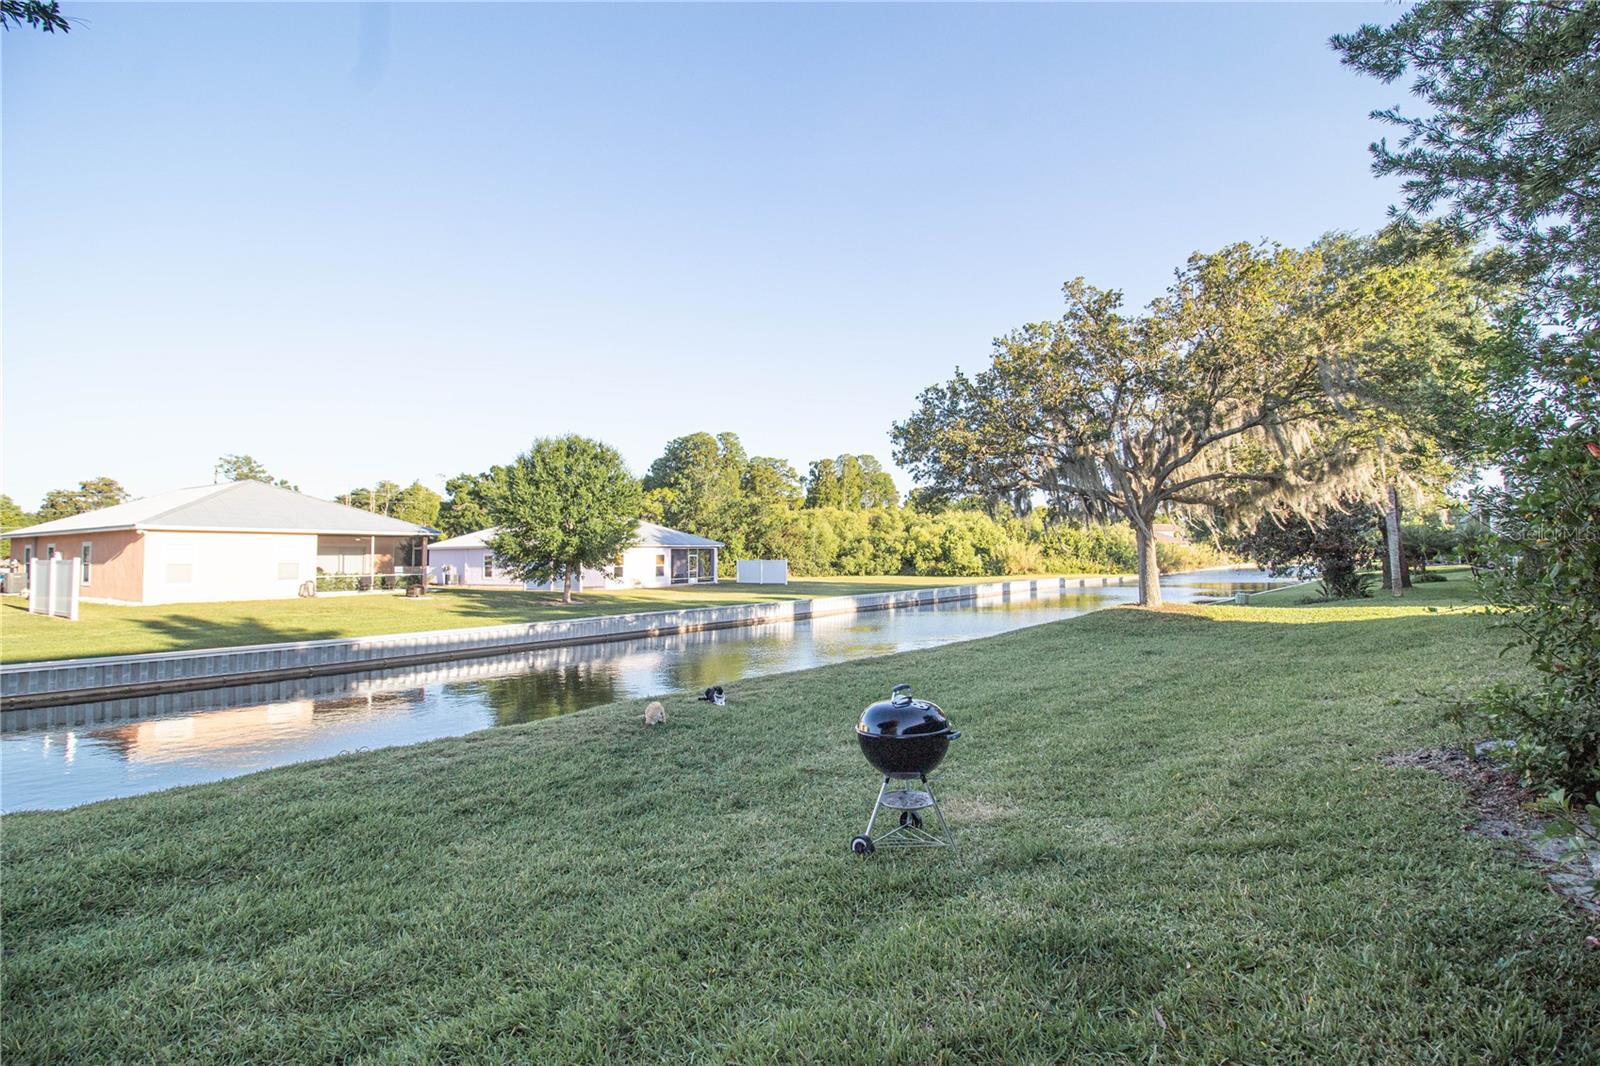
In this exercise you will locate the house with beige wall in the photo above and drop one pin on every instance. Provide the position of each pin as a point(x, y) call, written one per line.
point(245, 540)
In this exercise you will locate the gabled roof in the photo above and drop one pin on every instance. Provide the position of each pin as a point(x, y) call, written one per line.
point(480, 539)
point(647, 535)
point(651, 535)
point(238, 506)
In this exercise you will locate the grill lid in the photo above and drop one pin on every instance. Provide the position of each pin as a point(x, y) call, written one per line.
point(902, 716)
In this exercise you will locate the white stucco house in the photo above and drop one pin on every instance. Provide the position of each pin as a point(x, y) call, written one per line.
point(659, 557)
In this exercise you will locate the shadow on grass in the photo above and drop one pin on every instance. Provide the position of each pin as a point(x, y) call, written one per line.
point(182, 632)
point(510, 605)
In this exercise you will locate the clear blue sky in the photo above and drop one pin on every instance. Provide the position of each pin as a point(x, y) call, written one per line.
point(403, 241)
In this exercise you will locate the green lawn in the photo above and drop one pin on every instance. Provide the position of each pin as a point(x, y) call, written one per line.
point(1177, 843)
point(108, 630)
point(1456, 592)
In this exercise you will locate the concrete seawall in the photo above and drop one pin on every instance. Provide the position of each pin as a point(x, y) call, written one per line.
point(30, 685)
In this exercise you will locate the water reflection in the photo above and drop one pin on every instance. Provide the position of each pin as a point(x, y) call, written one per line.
point(560, 689)
point(63, 756)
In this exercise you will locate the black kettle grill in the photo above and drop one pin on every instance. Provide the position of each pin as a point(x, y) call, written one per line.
point(906, 739)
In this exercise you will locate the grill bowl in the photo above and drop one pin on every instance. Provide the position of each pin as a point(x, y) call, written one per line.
point(918, 753)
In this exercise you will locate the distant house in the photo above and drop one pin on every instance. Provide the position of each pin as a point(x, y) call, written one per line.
point(1168, 533)
point(659, 557)
point(245, 540)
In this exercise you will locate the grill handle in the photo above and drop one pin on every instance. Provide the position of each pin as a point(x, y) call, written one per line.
point(900, 694)
point(954, 734)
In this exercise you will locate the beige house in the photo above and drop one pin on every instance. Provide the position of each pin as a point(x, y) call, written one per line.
point(245, 540)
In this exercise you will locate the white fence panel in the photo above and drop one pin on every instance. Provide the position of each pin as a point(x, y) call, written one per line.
point(53, 586)
point(763, 572)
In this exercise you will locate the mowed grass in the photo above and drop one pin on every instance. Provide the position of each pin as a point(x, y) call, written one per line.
point(1177, 842)
point(1458, 592)
point(104, 629)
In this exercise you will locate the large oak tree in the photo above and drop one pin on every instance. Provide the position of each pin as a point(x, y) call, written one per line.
point(1263, 375)
point(1202, 400)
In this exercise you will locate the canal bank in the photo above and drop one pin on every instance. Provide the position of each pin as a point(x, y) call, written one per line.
point(70, 753)
point(28, 686)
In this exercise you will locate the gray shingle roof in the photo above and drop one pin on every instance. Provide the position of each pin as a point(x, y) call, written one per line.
point(651, 535)
point(239, 505)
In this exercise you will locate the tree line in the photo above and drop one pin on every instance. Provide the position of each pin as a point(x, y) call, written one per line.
point(844, 516)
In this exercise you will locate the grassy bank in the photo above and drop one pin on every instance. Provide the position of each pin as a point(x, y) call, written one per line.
point(102, 629)
point(1177, 841)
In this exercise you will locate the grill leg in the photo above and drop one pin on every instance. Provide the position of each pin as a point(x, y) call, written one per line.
point(938, 812)
point(878, 804)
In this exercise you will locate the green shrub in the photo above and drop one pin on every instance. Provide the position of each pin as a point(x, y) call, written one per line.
point(1546, 578)
point(1551, 742)
point(1022, 559)
point(1345, 585)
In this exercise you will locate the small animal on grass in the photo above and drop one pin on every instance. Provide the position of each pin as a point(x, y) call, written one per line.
point(655, 714)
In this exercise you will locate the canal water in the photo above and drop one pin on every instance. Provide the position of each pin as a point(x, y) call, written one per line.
point(88, 752)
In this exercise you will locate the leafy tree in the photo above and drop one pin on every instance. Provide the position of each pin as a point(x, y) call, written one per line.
point(768, 481)
point(853, 482)
point(417, 503)
point(1422, 368)
point(467, 500)
point(823, 486)
point(1505, 143)
point(1431, 539)
point(697, 486)
point(11, 517)
point(43, 14)
point(1334, 544)
point(90, 495)
point(771, 492)
point(379, 499)
point(876, 486)
point(247, 468)
point(569, 503)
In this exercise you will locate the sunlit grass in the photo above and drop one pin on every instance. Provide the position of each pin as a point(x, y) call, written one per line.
point(1177, 842)
point(1458, 592)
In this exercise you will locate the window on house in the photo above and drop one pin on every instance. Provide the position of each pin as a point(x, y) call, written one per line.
point(27, 557)
point(49, 551)
point(661, 565)
point(88, 556)
point(616, 565)
point(488, 566)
